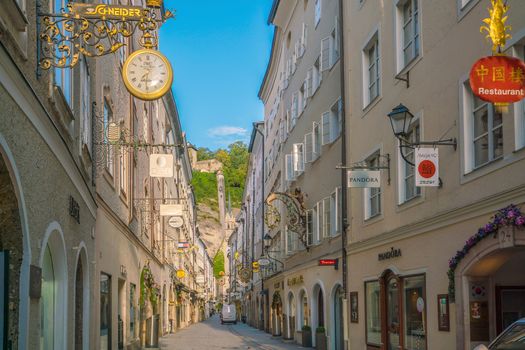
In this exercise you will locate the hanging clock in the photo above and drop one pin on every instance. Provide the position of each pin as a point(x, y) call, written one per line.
point(147, 74)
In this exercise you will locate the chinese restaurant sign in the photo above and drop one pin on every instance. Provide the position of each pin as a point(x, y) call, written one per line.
point(102, 11)
point(498, 79)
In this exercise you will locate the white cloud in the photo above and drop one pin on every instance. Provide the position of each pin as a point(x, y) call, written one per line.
point(222, 131)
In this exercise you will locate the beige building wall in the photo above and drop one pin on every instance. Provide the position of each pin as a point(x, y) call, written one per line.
point(301, 90)
point(431, 227)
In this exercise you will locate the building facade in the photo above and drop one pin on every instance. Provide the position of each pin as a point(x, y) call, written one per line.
point(86, 259)
point(301, 92)
point(421, 273)
point(48, 205)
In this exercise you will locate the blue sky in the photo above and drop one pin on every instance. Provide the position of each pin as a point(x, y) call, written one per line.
point(219, 51)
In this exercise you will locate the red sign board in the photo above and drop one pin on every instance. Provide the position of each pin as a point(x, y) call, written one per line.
point(328, 262)
point(498, 79)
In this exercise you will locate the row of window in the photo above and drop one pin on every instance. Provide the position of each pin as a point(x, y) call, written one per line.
point(483, 144)
point(323, 133)
point(407, 34)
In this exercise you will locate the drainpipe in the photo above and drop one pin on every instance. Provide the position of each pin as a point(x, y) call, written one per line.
point(344, 190)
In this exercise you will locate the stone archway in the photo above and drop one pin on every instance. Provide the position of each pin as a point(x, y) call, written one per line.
point(81, 295)
point(14, 258)
point(337, 319)
point(486, 279)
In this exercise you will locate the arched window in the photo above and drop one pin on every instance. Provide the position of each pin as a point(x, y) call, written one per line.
point(48, 303)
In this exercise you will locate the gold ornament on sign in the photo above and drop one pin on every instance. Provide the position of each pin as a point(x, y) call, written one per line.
point(154, 3)
point(496, 28)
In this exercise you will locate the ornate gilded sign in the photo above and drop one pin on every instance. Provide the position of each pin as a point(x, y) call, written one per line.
point(103, 11)
point(295, 280)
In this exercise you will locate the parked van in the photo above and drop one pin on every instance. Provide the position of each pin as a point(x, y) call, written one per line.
point(229, 314)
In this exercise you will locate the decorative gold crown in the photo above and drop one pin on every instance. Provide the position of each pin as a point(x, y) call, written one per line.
point(154, 3)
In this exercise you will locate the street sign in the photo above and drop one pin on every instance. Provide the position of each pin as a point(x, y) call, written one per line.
point(171, 210)
point(176, 221)
point(161, 165)
point(329, 262)
point(364, 178)
point(427, 167)
point(264, 262)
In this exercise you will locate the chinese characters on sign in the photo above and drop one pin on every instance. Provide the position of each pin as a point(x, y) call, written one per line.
point(427, 167)
point(498, 79)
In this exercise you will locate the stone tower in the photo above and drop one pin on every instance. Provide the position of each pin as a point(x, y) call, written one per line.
point(222, 198)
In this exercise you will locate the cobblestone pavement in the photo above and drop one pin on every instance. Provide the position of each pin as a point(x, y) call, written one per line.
point(210, 334)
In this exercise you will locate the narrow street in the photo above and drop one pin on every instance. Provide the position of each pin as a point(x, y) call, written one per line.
point(210, 334)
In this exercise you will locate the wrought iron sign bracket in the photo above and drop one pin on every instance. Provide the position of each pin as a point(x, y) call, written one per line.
point(296, 214)
point(93, 30)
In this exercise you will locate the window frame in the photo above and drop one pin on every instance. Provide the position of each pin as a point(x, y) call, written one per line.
point(469, 137)
point(108, 117)
point(318, 10)
point(373, 42)
point(400, 23)
point(403, 166)
point(370, 193)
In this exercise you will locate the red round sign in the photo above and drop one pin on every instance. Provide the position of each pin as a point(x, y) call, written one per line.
point(498, 79)
point(426, 169)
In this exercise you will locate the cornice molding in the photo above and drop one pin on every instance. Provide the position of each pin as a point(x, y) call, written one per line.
point(486, 206)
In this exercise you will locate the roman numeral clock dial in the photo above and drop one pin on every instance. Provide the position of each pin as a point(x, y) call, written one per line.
point(147, 74)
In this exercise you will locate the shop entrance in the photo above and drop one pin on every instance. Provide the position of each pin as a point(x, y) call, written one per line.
point(496, 294)
point(277, 313)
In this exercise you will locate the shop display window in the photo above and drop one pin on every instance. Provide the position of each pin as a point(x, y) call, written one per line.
point(373, 313)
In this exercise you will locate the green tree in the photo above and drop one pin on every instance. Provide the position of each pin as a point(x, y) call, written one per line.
point(218, 264)
point(204, 153)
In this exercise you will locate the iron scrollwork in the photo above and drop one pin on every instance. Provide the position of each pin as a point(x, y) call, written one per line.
point(295, 211)
point(73, 32)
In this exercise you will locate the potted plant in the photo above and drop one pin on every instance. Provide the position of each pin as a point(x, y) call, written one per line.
point(306, 336)
point(320, 338)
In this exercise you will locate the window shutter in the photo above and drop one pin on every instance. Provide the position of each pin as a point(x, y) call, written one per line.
point(294, 63)
point(295, 105)
point(326, 53)
point(317, 11)
point(333, 213)
point(304, 38)
point(289, 167)
point(308, 148)
point(305, 94)
point(310, 82)
point(298, 158)
point(337, 44)
point(325, 128)
point(288, 122)
point(316, 140)
point(319, 228)
point(309, 227)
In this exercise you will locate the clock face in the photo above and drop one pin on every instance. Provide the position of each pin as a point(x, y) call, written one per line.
point(147, 74)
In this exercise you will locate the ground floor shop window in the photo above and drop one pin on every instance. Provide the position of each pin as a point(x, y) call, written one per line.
point(132, 291)
point(396, 312)
point(373, 313)
point(105, 312)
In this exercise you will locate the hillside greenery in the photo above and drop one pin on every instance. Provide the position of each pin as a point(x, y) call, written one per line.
point(235, 166)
